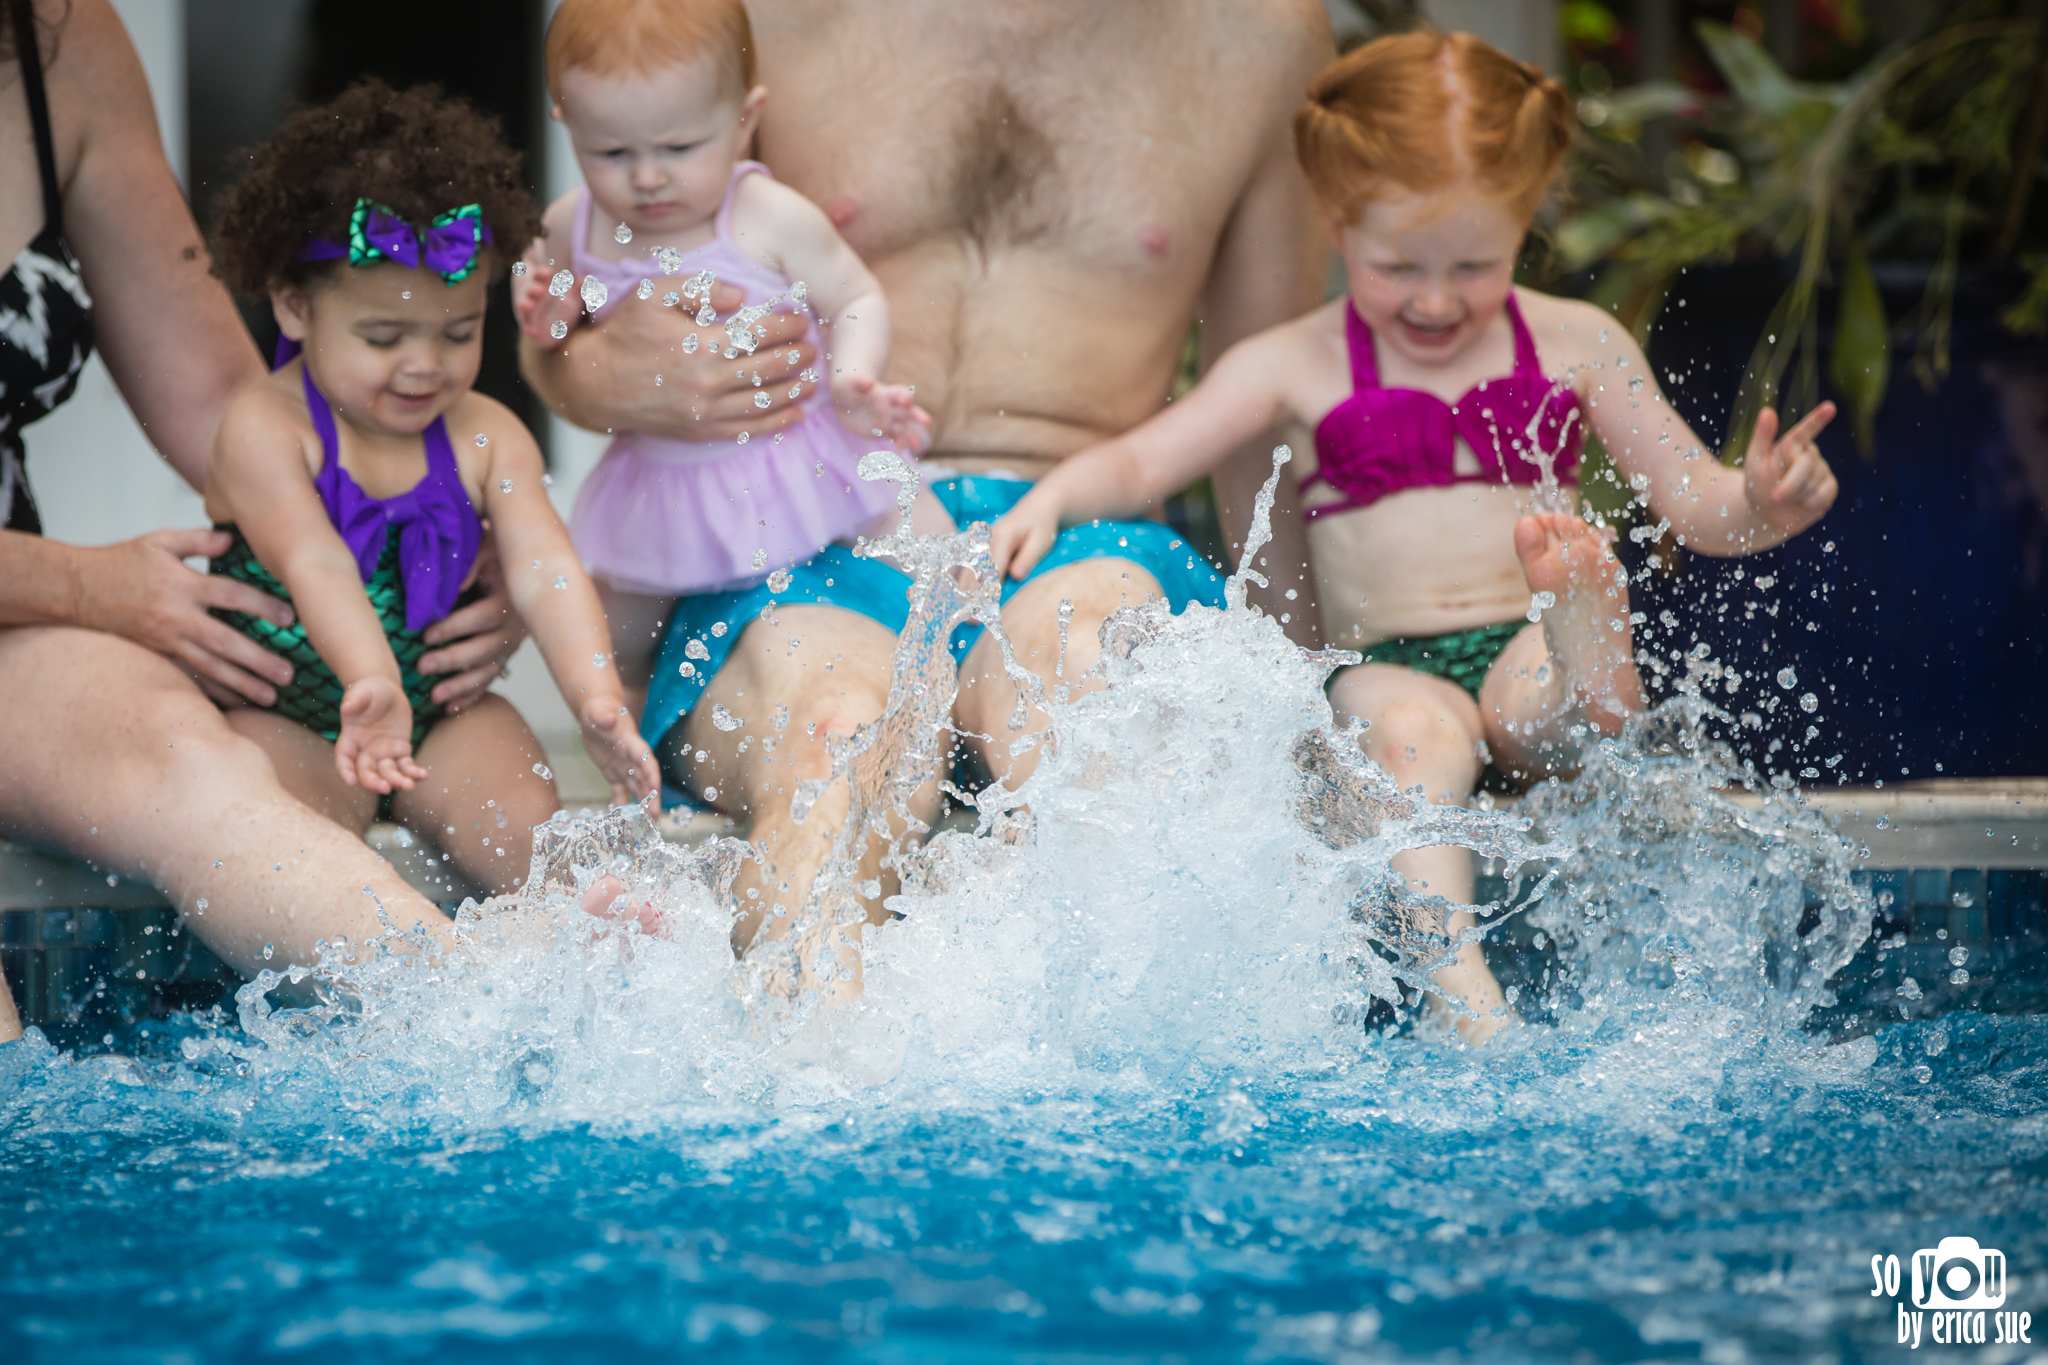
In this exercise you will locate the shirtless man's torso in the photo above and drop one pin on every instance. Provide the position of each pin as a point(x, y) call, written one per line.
point(1050, 192)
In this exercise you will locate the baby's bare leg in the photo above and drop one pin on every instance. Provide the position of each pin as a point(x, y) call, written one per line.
point(637, 622)
point(1424, 731)
point(1574, 674)
point(305, 767)
point(481, 797)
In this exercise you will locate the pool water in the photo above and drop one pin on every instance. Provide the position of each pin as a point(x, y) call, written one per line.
point(1141, 1074)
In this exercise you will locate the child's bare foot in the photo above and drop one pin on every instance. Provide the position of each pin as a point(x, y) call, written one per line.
point(1582, 591)
point(607, 898)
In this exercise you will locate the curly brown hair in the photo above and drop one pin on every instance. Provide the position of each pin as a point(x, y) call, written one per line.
point(417, 152)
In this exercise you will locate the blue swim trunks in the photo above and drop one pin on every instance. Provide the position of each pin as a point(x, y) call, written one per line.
point(836, 577)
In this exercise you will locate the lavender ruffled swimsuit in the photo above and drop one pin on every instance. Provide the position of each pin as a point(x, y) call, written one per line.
point(666, 517)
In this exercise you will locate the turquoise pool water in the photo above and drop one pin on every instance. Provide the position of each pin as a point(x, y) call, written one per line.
point(1139, 1076)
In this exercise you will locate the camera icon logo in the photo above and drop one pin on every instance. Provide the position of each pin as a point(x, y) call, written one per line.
point(1957, 1273)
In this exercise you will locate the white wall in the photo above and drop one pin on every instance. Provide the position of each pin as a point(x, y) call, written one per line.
point(96, 477)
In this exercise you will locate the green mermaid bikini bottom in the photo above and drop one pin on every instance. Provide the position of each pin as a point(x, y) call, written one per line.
point(313, 697)
point(1462, 656)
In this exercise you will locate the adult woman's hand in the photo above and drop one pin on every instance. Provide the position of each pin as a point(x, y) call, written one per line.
point(473, 644)
point(142, 589)
point(655, 369)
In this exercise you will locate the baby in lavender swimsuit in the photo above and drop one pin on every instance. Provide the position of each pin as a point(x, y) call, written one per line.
point(660, 103)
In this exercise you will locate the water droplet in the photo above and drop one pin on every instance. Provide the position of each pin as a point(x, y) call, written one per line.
point(518, 267)
point(481, 440)
point(695, 649)
point(690, 344)
point(622, 234)
point(718, 627)
point(781, 715)
point(561, 582)
point(687, 669)
point(200, 905)
point(504, 485)
point(711, 793)
point(762, 400)
point(869, 889)
point(113, 880)
point(1936, 1042)
point(760, 558)
point(1959, 977)
point(1808, 702)
point(1909, 989)
point(1539, 603)
point(668, 259)
point(779, 581)
point(216, 861)
point(1787, 678)
point(724, 719)
point(405, 293)
point(645, 291)
point(558, 329)
point(706, 316)
point(562, 283)
point(670, 299)
point(547, 481)
point(268, 949)
point(1923, 1073)
point(541, 771)
point(1958, 955)
point(597, 661)
point(594, 293)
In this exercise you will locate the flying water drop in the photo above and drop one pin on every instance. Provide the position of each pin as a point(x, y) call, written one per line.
point(622, 234)
point(562, 283)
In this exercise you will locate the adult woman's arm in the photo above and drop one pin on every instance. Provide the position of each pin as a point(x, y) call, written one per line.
point(170, 336)
point(142, 590)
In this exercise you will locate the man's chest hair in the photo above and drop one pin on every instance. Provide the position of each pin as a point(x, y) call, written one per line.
point(1066, 138)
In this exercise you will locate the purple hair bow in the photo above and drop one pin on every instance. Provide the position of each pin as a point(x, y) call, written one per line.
point(448, 246)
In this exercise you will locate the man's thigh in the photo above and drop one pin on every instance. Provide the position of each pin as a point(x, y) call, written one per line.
point(1097, 588)
point(791, 680)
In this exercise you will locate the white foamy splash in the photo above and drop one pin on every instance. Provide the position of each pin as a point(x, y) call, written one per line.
point(1194, 886)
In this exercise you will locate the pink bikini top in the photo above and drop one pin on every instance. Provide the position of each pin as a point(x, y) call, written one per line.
point(1380, 441)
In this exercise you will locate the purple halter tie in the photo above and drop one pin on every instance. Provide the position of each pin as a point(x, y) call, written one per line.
point(438, 530)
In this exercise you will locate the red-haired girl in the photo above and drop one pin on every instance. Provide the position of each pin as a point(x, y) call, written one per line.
point(1448, 407)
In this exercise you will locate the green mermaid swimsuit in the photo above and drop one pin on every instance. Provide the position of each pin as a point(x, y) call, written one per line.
point(313, 696)
point(1462, 656)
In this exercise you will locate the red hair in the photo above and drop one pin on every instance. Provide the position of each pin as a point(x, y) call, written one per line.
point(636, 37)
point(1419, 110)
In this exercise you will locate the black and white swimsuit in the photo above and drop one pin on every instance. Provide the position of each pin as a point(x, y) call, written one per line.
point(45, 312)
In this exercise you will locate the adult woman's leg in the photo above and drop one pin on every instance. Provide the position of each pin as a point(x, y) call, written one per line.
point(1031, 620)
point(110, 753)
point(831, 669)
point(1425, 732)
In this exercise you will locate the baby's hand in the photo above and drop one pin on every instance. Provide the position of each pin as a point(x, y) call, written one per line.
point(1022, 535)
point(538, 309)
point(1789, 485)
point(614, 745)
point(868, 406)
point(374, 749)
